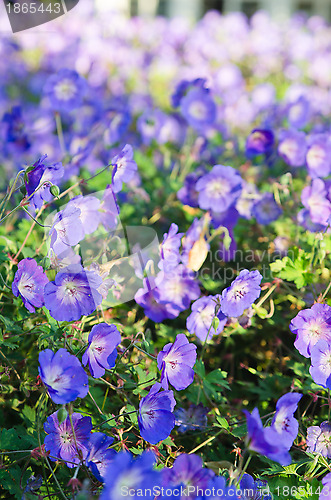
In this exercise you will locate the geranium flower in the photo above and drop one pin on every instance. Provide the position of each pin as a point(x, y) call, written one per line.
point(63, 376)
point(156, 419)
point(292, 147)
point(148, 297)
point(74, 293)
point(192, 419)
point(319, 439)
point(200, 321)
point(310, 326)
point(176, 362)
point(39, 180)
point(99, 455)
point(126, 475)
point(187, 470)
point(65, 443)
point(67, 230)
point(219, 189)
point(124, 168)
point(101, 352)
point(241, 294)
point(284, 424)
point(265, 209)
point(177, 287)
point(259, 142)
point(169, 248)
point(65, 90)
point(320, 369)
point(29, 283)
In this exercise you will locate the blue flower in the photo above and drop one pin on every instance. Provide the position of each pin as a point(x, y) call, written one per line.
point(74, 293)
point(254, 490)
point(241, 294)
point(219, 189)
point(99, 455)
point(259, 142)
point(67, 230)
point(292, 147)
point(65, 90)
point(39, 180)
point(176, 362)
point(148, 297)
point(262, 441)
point(66, 442)
point(318, 155)
point(169, 249)
point(124, 168)
point(89, 214)
point(320, 369)
point(29, 283)
point(284, 424)
point(319, 439)
point(200, 321)
point(187, 471)
point(266, 210)
point(198, 108)
point(192, 419)
point(156, 419)
point(63, 376)
point(177, 287)
point(131, 477)
point(101, 352)
point(310, 326)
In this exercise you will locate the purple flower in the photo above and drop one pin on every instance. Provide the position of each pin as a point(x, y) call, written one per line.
point(176, 362)
point(319, 439)
point(63, 376)
point(219, 189)
point(318, 155)
point(201, 320)
point(89, 215)
point(298, 112)
point(292, 147)
point(99, 455)
point(314, 198)
point(241, 294)
point(326, 481)
point(266, 210)
point(177, 287)
point(67, 230)
point(187, 470)
point(198, 108)
point(101, 352)
point(192, 419)
point(284, 424)
point(262, 441)
point(320, 369)
point(29, 283)
point(169, 249)
point(128, 476)
point(254, 490)
point(148, 297)
point(188, 194)
point(109, 209)
point(246, 201)
point(310, 326)
point(15, 130)
point(39, 180)
point(156, 419)
point(74, 293)
point(65, 90)
point(124, 168)
point(150, 124)
point(260, 141)
point(66, 442)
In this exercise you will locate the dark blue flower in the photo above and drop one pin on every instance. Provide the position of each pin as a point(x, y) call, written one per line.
point(63, 376)
point(156, 419)
point(74, 293)
point(259, 142)
point(29, 283)
point(39, 180)
point(101, 352)
point(99, 455)
point(192, 419)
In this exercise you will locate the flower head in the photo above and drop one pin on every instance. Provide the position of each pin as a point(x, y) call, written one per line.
point(101, 352)
point(292, 147)
point(39, 179)
point(124, 168)
point(241, 294)
point(319, 439)
point(219, 189)
point(176, 362)
point(177, 287)
point(315, 199)
point(187, 470)
point(318, 155)
point(170, 245)
point(89, 215)
point(284, 424)
point(74, 293)
point(310, 326)
point(198, 108)
point(266, 210)
point(260, 141)
point(201, 321)
point(320, 369)
point(65, 441)
point(99, 455)
point(148, 297)
point(63, 376)
point(156, 419)
point(67, 230)
point(262, 441)
point(192, 419)
point(126, 474)
point(29, 283)
point(65, 90)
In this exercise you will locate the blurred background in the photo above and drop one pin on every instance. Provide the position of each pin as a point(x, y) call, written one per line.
point(194, 9)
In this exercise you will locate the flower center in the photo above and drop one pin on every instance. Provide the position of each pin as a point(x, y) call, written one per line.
point(65, 90)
